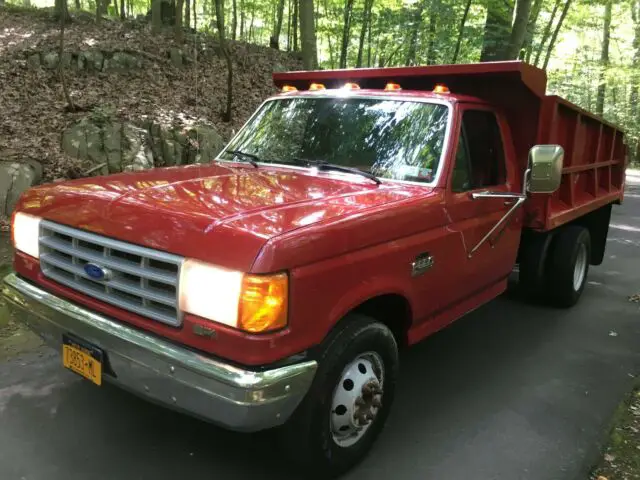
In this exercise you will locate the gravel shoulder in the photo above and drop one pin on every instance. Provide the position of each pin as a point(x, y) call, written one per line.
point(621, 458)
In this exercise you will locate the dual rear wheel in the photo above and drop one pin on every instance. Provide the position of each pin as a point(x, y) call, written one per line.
point(554, 266)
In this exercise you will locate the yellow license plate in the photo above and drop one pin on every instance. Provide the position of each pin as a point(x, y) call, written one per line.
point(80, 360)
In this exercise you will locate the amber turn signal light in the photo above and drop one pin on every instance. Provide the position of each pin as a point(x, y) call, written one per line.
point(263, 303)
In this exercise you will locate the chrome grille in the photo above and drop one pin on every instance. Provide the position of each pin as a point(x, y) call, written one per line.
point(143, 280)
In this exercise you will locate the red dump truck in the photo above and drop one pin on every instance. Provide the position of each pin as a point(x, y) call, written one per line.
point(356, 213)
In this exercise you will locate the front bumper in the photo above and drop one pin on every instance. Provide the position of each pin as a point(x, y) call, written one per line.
point(163, 372)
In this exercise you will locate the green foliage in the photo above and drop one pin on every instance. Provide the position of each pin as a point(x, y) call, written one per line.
point(574, 69)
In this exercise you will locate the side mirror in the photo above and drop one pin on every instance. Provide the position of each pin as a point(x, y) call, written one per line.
point(545, 162)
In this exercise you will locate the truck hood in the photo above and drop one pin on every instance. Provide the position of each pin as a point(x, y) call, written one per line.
point(222, 214)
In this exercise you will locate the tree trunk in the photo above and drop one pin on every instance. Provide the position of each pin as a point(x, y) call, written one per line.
point(78, 5)
point(296, 5)
point(226, 115)
point(70, 105)
point(413, 35)
point(604, 58)
point(546, 32)
point(519, 29)
point(369, 38)
point(456, 52)
point(177, 27)
point(346, 33)
point(308, 35)
point(332, 62)
point(633, 94)
point(101, 8)
point(431, 41)
point(531, 30)
point(195, 15)
point(275, 38)
point(156, 15)
point(497, 30)
point(234, 19)
point(289, 24)
point(253, 16)
point(61, 11)
point(554, 37)
point(366, 21)
point(187, 13)
point(241, 19)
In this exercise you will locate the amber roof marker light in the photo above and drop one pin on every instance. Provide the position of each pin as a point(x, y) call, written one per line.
point(351, 86)
point(441, 88)
point(392, 87)
point(317, 86)
point(289, 88)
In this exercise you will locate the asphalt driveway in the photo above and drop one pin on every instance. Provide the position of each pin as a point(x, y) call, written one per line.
point(512, 391)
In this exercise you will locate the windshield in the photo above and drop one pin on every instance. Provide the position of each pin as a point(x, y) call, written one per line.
point(395, 139)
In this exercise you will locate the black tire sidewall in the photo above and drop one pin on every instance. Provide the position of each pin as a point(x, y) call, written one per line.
point(565, 249)
point(313, 417)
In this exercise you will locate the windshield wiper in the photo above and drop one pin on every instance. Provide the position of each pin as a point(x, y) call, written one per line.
point(322, 165)
point(249, 157)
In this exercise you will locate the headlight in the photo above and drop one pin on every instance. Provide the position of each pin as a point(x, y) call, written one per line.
point(254, 303)
point(25, 231)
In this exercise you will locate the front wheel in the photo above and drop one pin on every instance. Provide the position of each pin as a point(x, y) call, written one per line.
point(349, 400)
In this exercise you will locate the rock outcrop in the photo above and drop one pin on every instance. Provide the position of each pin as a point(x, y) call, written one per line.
point(110, 146)
point(15, 178)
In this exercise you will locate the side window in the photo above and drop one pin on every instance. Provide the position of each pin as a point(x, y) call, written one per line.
point(480, 155)
point(461, 180)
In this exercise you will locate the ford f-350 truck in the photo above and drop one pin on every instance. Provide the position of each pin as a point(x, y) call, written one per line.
point(355, 213)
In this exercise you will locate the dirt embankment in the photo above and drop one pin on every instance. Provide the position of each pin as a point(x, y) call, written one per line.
point(119, 67)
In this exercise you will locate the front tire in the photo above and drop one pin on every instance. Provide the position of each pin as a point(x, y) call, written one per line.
point(568, 266)
point(349, 401)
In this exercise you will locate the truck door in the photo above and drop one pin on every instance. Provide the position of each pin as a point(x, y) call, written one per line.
point(480, 165)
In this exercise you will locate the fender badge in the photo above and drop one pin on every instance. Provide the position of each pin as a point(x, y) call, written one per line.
point(421, 264)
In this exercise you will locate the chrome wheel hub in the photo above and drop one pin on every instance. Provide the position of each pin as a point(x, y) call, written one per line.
point(357, 398)
point(580, 268)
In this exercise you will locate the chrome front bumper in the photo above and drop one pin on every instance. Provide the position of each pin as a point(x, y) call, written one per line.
point(163, 372)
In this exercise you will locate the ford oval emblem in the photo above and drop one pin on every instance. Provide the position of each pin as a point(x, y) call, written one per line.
point(96, 272)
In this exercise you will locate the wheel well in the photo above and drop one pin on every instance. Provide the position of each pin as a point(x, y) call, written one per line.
point(597, 222)
point(391, 309)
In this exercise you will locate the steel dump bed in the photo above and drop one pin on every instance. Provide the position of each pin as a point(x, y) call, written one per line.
point(595, 155)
